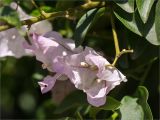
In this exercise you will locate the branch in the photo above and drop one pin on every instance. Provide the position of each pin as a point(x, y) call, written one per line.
point(69, 14)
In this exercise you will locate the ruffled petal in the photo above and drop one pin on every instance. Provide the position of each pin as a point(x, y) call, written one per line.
point(112, 74)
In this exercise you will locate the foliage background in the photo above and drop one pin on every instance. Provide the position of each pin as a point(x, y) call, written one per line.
point(21, 96)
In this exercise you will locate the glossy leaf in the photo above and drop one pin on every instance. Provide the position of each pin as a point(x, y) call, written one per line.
point(144, 7)
point(129, 22)
point(142, 94)
point(135, 24)
point(157, 20)
point(83, 26)
point(130, 109)
point(9, 15)
point(127, 5)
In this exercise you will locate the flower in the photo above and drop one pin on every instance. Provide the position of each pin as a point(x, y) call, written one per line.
point(46, 49)
point(86, 69)
point(89, 72)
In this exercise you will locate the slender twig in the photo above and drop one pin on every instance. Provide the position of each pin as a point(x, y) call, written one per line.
point(115, 35)
point(69, 14)
point(116, 43)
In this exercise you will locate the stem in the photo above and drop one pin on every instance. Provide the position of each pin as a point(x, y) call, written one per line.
point(115, 35)
point(118, 52)
point(69, 14)
point(79, 115)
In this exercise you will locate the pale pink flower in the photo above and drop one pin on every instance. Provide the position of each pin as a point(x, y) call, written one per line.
point(88, 71)
point(46, 49)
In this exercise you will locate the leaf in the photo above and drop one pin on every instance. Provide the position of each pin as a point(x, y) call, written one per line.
point(5, 2)
point(142, 95)
point(111, 104)
point(157, 20)
point(130, 109)
point(83, 26)
point(127, 5)
point(74, 99)
point(144, 7)
point(46, 9)
point(135, 24)
point(10, 16)
point(128, 21)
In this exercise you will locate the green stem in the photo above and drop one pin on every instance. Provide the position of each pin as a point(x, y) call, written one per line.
point(79, 116)
point(115, 35)
point(117, 49)
point(69, 14)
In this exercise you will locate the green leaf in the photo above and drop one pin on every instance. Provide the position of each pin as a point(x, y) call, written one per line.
point(142, 94)
point(6, 2)
point(111, 104)
point(144, 7)
point(127, 5)
point(128, 20)
point(74, 99)
point(135, 24)
point(83, 26)
point(10, 16)
point(130, 109)
point(46, 9)
point(157, 20)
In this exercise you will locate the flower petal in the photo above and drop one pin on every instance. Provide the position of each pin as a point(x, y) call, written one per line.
point(111, 74)
point(66, 43)
point(96, 101)
point(48, 82)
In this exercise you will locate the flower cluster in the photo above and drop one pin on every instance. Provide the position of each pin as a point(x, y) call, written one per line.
point(85, 68)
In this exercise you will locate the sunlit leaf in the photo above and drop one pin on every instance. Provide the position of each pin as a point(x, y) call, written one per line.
point(144, 7)
point(9, 15)
point(130, 109)
point(135, 24)
point(127, 5)
point(129, 22)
